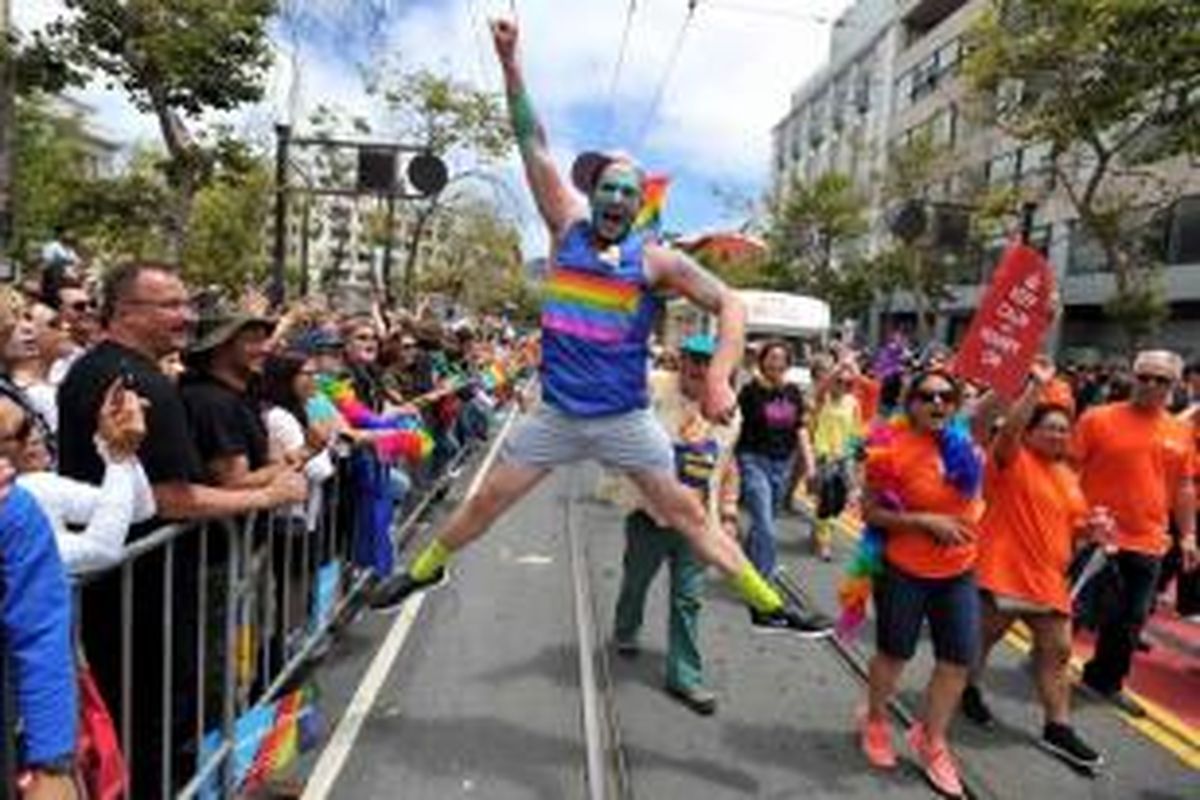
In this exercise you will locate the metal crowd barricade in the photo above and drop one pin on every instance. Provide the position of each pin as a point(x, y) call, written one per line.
point(259, 576)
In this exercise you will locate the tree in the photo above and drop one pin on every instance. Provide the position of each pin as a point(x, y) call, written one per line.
point(176, 59)
point(50, 163)
point(1113, 87)
point(814, 233)
point(226, 244)
point(481, 265)
point(466, 126)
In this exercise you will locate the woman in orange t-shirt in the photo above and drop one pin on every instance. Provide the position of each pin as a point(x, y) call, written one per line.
point(1036, 512)
point(928, 510)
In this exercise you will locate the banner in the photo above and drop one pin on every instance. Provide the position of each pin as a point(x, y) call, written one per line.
point(1007, 329)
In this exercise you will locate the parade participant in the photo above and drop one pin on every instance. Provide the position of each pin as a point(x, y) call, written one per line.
point(836, 427)
point(1035, 513)
point(598, 311)
point(704, 463)
point(1137, 460)
point(923, 475)
point(773, 434)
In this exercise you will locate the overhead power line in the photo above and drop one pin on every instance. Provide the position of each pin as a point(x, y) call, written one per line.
point(616, 76)
point(672, 60)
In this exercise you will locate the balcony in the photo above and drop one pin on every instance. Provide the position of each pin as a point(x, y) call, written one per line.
point(925, 15)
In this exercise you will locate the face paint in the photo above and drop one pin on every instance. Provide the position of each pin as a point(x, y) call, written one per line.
point(615, 202)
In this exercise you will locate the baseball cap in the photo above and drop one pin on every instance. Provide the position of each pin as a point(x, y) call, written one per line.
point(699, 344)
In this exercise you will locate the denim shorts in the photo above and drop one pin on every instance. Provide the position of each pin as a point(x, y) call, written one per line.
point(630, 442)
point(903, 602)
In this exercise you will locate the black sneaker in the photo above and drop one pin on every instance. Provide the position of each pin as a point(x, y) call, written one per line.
point(1062, 741)
point(392, 593)
point(697, 698)
point(975, 709)
point(794, 621)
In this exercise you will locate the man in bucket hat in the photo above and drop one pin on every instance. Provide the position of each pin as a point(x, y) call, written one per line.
point(601, 297)
point(227, 353)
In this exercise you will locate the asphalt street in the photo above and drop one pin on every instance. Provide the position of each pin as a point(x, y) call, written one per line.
point(484, 701)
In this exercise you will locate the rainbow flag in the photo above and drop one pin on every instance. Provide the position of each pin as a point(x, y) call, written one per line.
point(654, 200)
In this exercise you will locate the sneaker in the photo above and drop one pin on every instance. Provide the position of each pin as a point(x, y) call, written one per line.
point(392, 593)
point(975, 709)
point(697, 698)
point(1062, 741)
point(628, 648)
point(936, 763)
point(875, 739)
point(790, 620)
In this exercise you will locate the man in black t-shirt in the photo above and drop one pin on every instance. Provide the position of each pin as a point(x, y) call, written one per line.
point(146, 315)
point(226, 425)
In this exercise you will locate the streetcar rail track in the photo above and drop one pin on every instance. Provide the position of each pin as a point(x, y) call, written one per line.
point(607, 776)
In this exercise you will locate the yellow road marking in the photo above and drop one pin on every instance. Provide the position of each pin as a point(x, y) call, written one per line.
point(1159, 725)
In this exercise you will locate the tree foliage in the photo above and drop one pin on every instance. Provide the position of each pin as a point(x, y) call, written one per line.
point(480, 265)
point(464, 125)
point(1113, 86)
point(175, 59)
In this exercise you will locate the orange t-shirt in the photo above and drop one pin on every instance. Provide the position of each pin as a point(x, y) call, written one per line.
point(915, 462)
point(866, 392)
point(1027, 531)
point(1132, 462)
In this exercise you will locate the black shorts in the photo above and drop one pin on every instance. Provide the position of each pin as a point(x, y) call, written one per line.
point(903, 602)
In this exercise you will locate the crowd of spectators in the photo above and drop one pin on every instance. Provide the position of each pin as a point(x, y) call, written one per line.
point(128, 405)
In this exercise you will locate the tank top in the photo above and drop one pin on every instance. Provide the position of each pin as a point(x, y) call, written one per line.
point(597, 318)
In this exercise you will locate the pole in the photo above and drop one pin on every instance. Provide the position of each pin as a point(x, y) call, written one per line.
point(390, 234)
point(304, 227)
point(278, 290)
point(7, 125)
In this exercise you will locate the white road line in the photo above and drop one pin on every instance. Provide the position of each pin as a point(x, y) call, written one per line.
point(341, 743)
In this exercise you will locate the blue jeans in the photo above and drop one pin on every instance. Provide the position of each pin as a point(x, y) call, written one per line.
point(765, 482)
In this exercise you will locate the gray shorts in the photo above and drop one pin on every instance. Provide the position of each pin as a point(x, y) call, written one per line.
point(632, 442)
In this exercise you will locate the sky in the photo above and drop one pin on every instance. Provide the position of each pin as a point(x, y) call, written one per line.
point(705, 120)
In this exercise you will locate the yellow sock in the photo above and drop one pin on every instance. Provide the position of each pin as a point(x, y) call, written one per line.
point(757, 593)
point(431, 559)
point(823, 532)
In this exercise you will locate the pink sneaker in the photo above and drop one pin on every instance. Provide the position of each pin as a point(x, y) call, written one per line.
point(936, 762)
point(875, 738)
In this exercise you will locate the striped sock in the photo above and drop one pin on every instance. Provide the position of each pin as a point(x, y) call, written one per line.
point(435, 556)
point(753, 588)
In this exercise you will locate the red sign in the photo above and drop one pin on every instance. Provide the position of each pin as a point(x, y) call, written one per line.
point(1007, 330)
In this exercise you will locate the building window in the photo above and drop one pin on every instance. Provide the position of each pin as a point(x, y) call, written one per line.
point(1183, 246)
point(926, 76)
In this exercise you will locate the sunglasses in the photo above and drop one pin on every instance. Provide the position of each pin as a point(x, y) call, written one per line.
point(1160, 380)
point(22, 433)
point(946, 397)
point(81, 306)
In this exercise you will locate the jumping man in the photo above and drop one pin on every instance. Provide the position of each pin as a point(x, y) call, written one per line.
point(598, 311)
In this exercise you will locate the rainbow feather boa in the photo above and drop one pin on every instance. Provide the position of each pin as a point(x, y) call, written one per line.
point(963, 468)
point(406, 436)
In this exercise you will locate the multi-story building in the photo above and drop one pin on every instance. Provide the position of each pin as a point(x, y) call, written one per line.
point(910, 52)
point(345, 250)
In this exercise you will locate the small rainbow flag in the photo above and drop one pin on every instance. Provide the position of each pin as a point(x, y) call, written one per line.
point(654, 199)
